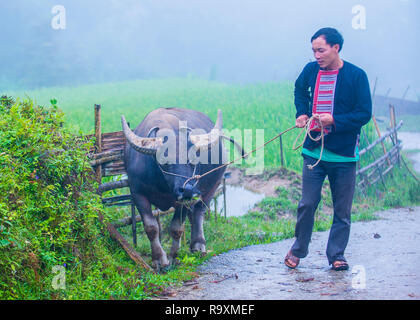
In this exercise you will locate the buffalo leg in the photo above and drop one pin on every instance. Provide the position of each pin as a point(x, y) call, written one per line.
point(151, 227)
point(198, 242)
point(176, 230)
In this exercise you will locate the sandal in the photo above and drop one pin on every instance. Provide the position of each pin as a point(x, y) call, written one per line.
point(291, 261)
point(340, 265)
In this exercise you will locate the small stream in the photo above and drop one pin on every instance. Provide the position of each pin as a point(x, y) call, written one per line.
point(238, 201)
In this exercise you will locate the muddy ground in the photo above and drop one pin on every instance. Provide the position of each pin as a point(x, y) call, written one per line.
point(384, 260)
point(266, 183)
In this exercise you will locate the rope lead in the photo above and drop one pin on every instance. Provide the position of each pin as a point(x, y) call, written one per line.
point(307, 131)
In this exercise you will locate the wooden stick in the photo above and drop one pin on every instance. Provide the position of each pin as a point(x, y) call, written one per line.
point(380, 140)
point(368, 143)
point(225, 278)
point(117, 198)
point(224, 196)
point(281, 152)
point(133, 225)
point(127, 220)
point(98, 140)
point(119, 204)
point(381, 159)
point(113, 185)
point(378, 168)
point(133, 254)
point(215, 209)
point(394, 124)
point(379, 135)
point(391, 123)
point(104, 154)
point(103, 160)
point(159, 225)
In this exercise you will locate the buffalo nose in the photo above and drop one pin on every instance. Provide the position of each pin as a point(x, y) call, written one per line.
point(187, 193)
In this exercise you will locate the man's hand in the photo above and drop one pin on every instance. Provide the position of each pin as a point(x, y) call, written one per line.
point(301, 121)
point(326, 119)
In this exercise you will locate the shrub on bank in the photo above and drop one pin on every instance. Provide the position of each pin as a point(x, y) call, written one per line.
point(48, 210)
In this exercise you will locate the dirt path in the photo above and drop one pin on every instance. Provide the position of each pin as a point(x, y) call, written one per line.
point(384, 258)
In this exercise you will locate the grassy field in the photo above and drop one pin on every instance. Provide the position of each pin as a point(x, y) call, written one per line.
point(267, 106)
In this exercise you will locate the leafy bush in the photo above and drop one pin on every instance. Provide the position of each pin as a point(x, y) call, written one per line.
point(48, 207)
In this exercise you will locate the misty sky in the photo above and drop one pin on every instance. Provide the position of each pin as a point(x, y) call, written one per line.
point(237, 41)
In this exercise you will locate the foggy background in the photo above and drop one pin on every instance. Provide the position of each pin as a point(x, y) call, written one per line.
point(239, 41)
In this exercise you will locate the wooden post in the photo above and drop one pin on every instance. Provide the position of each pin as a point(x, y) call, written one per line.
point(396, 133)
point(379, 135)
point(209, 209)
point(281, 152)
point(98, 141)
point(378, 168)
point(133, 224)
point(184, 236)
point(215, 209)
point(394, 136)
point(373, 95)
point(134, 255)
point(133, 219)
point(224, 195)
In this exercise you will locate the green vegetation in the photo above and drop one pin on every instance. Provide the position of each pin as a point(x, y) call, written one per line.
point(49, 209)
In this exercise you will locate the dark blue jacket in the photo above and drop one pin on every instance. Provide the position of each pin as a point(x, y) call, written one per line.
point(352, 106)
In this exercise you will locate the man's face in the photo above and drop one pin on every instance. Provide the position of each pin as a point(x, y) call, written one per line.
point(325, 55)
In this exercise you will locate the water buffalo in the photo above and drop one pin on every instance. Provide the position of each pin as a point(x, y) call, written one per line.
point(174, 134)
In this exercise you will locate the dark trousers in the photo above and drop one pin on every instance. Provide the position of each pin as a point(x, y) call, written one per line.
point(342, 178)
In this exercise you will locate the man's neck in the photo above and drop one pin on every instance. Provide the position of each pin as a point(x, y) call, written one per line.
point(336, 65)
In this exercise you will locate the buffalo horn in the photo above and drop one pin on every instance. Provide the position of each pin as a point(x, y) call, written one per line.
point(141, 144)
point(205, 141)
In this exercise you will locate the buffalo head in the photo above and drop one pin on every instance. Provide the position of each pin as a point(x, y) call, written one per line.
point(178, 169)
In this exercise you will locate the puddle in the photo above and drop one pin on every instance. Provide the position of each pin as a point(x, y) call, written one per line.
point(238, 201)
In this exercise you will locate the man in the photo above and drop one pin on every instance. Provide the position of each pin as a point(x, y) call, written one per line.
point(338, 93)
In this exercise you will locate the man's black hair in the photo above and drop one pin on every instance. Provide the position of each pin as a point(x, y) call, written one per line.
point(331, 35)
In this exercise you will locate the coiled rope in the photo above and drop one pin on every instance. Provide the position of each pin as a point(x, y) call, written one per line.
point(307, 130)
